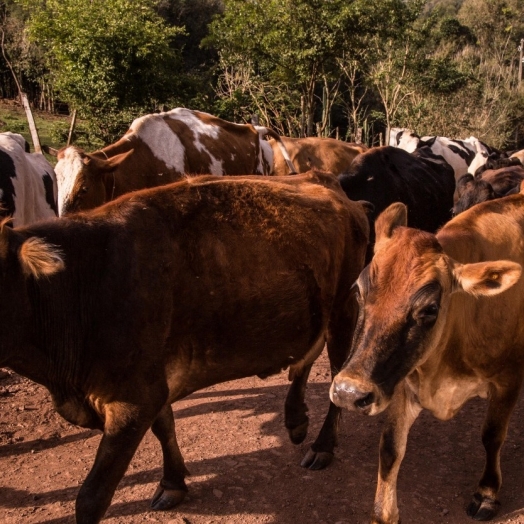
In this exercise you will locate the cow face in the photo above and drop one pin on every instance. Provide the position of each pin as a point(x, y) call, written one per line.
point(404, 296)
point(83, 180)
point(472, 191)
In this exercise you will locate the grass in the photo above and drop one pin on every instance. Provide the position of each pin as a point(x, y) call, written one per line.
point(13, 118)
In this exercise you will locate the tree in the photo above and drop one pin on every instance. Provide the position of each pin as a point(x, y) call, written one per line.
point(303, 49)
point(196, 74)
point(470, 84)
point(108, 59)
point(25, 58)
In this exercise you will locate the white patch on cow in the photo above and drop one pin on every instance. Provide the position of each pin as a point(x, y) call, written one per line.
point(18, 138)
point(265, 158)
point(199, 128)
point(29, 189)
point(408, 142)
point(163, 143)
point(403, 138)
point(481, 156)
point(442, 146)
point(67, 169)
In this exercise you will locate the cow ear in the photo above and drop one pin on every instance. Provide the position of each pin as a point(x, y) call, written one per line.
point(102, 165)
point(487, 278)
point(114, 161)
point(394, 216)
point(39, 258)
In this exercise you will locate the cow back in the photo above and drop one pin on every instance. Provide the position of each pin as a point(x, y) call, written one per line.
point(324, 154)
point(384, 175)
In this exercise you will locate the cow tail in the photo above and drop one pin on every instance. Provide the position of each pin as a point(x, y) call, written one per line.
point(263, 131)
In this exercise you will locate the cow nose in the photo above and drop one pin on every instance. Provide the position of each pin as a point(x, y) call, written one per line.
point(350, 396)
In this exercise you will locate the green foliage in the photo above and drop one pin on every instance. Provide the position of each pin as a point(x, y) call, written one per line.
point(107, 58)
point(304, 67)
point(299, 46)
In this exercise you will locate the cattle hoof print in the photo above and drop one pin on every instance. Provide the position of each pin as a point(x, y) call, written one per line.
point(315, 460)
point(164, 498)
point(482, 508)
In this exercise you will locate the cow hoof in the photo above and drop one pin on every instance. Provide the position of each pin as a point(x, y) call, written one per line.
point(482, 508)
point(166, 498)
point(298, 434)
point(317, 459)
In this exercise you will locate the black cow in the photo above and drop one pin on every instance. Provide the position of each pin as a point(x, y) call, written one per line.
point(387, 174)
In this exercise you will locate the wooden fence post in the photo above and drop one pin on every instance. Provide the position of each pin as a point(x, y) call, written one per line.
point(31, 122)
point(71, 128)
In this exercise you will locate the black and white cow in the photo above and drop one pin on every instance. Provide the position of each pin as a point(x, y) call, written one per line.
point(28, 187)
point(459, 154)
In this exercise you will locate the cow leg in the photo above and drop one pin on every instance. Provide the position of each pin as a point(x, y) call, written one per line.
point(341, 328)
point(124, 429)
point(401, 414)
point(172, 488)
point(295, 409)
point(484, 505)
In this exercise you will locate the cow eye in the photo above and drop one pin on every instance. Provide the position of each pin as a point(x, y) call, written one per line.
point(428, 314)
point(83, 189)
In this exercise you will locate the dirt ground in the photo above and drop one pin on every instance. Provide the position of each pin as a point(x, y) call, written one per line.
point(244, 470)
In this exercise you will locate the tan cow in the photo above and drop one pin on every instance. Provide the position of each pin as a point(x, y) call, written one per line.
point(441, 321)
point(158, 149)
point(326, 154)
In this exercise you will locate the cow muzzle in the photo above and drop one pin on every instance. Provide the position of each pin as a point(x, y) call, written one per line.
point(355, 395)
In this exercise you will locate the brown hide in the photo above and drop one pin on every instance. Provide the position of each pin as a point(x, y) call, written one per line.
point(325, 154)
point(124, 309)
point(159, 149)
point(440, 323)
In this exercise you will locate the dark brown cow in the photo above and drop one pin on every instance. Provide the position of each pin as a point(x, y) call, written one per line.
point(440, 322)
point(122, 310)
point(158, 149)
point(490, 184)
point(325, 154)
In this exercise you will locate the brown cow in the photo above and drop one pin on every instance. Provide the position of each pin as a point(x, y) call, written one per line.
point(326, 154)
point(440, 322)
point(124, 309)
point(159, 149)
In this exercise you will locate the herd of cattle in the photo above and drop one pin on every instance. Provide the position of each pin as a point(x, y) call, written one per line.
point(161, 278)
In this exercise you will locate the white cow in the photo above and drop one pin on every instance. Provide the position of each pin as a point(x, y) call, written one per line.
point(28, 189)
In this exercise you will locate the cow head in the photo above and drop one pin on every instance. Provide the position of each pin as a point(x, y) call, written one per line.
point(471, 191)
point(85, 181)
point(404, 296)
